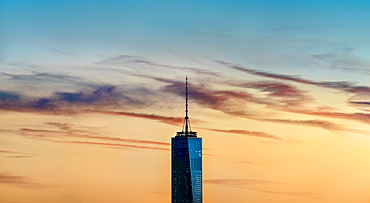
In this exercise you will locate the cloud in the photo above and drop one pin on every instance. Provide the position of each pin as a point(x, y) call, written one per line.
point(84, 134)
point(196, 94)
point(343, 60)
point(40, 79)
point(106, 144)
point(364, 106)
point(58, 51)
point(230, 101)
point(360, 117)
point(56, 91)
point(164, 119)
point(327, 125)
point(119, 59)
point(360, 99)
point(289, 99)
point(114, 145)
point(8, 97)
point(279, 92)
point(79, 132)
point(136, 60)
point(225, 101)
point(313, 123)
point(100, 97)
point(249, 133)
point(338, 85)
point(237, 183)
point(19, 156)
point(275, 89)
point(13, 152)
point(263, 186)
point(205, 95)
point(22, 182)
point(123, 100)
point(69, 130)
point(360, 103)
point(105, 99)
point(72, 131)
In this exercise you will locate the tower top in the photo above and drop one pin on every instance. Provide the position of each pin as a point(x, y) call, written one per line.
point(186, 130)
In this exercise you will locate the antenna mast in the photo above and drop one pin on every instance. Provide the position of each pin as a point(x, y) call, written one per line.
point(186, 108)
point(186, 129)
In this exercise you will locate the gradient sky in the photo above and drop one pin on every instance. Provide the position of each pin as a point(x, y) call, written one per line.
point(91, 93)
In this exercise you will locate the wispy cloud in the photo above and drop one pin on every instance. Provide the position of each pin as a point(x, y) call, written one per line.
point(360, 117)
point(164, 119)
point(124, 101)
point(101, 97)
point(264, 186)
point(339, 85)
point(23, 182)
point(278, 93)
point(82, 135)
point(313, 123)
point(16, 157)
point(361, 101)
point(225, 100)
point(70, 131)
point(137, 60)
point(215, 99)
point(114, 145)
point(327, 125)
point(39, 79)
point(8, 96)
point(249, 133)
point(360, 98)
point(105, 144)
point(58, 51)
point(14, 152)
point(237, 183)
point(342, 59)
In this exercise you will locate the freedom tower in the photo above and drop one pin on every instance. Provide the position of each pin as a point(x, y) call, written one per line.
point(186, 149)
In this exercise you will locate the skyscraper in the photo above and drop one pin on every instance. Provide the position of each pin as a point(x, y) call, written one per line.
point(186, 150)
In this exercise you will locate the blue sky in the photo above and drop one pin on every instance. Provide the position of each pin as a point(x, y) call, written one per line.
point(31, 29)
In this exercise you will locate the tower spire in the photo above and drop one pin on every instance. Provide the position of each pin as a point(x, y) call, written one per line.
point(186, 129)
point(186, 108)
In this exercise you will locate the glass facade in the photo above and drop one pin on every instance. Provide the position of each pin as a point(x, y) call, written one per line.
point(186, 169)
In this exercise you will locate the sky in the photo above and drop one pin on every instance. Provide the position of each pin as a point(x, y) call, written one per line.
point(91, 93)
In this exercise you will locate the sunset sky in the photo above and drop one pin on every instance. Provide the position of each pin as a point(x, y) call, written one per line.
point(91, 93)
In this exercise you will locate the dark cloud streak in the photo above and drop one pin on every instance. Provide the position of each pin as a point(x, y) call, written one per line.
point(69, 131)
point(237, 183)
point(338, 85)
point(249, 133)
point(164, 119)
point(13, 152)
point(22, 182)
point(42, 137)
point(102, 97)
